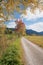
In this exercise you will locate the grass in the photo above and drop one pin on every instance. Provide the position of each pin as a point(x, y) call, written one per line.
point(12, 53)
point(5, 40)
point(36, 40)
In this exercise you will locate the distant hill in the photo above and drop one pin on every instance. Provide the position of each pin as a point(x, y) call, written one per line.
point(41, 33)
point(28, 31)
point(32, 32)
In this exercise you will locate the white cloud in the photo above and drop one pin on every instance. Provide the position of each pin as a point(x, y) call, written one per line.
point(11, 25)
point(1, 19)
point(30, 15)
point(37, 26)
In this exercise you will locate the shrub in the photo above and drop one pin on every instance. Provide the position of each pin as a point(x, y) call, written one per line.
point(11, 57)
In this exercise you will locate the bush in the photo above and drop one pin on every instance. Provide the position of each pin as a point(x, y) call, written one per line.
point(11, 57)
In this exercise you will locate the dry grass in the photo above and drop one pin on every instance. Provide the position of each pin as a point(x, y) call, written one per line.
point(36, 39)
point(5, 41)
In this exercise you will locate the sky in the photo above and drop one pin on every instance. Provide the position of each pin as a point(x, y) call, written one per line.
point(32, 21)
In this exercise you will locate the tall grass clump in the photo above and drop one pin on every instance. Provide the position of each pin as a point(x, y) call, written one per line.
point(11, 57)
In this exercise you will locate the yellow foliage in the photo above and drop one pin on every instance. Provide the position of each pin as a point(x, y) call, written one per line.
point(12, 5)
point(2, 29)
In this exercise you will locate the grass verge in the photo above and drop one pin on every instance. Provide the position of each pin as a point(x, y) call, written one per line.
point(13, 54)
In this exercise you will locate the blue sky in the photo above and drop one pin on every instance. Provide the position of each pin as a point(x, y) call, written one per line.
point(32, 20)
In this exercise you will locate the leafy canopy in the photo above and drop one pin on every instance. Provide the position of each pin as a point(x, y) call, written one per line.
point(19, 5)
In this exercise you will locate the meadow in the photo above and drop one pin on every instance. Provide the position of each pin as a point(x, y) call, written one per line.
point(36, 40)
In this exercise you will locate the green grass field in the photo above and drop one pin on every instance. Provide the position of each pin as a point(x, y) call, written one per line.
point(11, 50)
point(36, 40)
